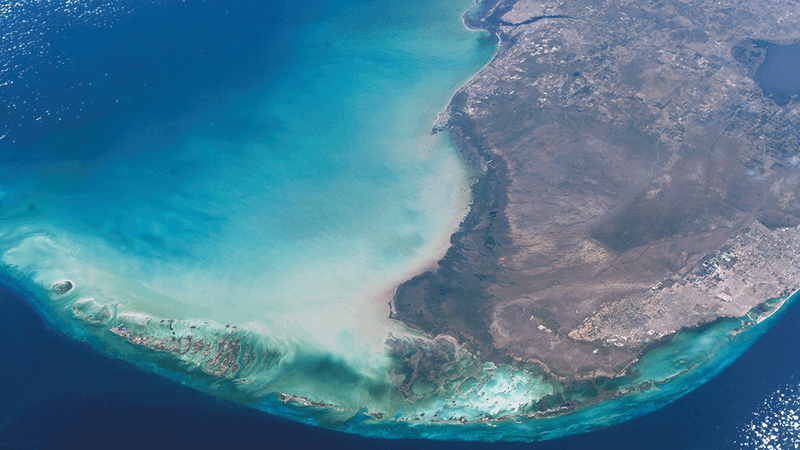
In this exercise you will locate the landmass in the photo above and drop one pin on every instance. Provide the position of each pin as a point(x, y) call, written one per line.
point(633, 188)
point(631, 180)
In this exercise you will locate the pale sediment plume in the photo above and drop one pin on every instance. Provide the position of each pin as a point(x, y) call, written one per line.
point(329, 293)
point(267, 256)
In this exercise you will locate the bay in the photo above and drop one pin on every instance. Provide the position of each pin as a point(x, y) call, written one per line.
point(149, 140)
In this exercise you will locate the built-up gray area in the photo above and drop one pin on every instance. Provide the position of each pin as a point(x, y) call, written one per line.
point(630, 178)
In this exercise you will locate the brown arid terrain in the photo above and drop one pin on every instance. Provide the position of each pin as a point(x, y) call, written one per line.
point(631, 179)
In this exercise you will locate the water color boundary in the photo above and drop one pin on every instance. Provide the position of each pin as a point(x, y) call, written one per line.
point(634, 394)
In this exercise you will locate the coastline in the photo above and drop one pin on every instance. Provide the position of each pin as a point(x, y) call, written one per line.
point(484, 231)
point(456, 281)
point(87, 381)
point(237, 389)
point(488, 181)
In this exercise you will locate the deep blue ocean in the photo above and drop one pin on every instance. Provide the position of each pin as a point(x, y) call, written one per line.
point(78, 80)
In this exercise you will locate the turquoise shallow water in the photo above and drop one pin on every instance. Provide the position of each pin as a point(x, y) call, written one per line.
point(288, 201)
point(282, 186)
point(238, 189)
